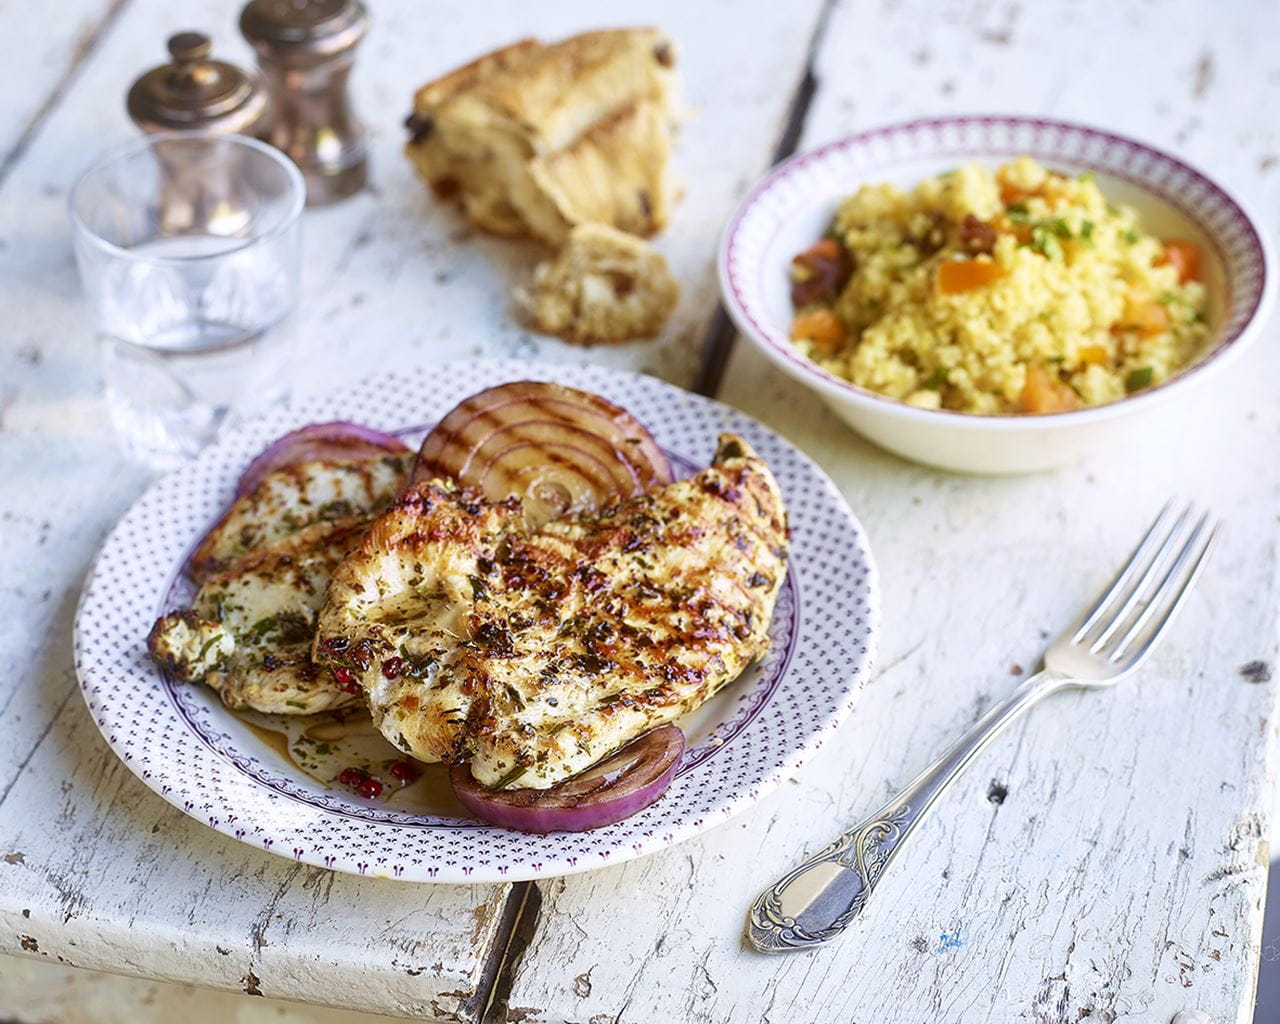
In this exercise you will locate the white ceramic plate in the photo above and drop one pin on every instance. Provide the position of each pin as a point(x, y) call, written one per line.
point(792, 206)
point(185, 745)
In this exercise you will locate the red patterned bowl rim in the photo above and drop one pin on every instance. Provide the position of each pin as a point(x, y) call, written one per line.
point(1258, 298)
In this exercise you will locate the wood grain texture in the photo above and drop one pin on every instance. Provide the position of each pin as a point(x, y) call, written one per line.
point(35, 990)
point(94, 869)
point(1106, 860)
point(43, 55)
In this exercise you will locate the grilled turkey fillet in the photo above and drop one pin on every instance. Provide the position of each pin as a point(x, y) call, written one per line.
point(533, 655)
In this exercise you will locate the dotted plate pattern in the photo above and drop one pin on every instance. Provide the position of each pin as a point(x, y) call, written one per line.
point(837, 168)
point(184, 745)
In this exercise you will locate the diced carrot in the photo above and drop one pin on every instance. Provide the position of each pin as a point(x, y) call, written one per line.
point(821, 328)
point(1020, 230)
point(1184, 256)
point(1093, 355)
point(956, 276)
point(1143, 314)
point(1042, 392)
point(1010, 194)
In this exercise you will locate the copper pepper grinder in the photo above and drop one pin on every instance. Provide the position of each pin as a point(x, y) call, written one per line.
point(305, 50)
point(196, 92)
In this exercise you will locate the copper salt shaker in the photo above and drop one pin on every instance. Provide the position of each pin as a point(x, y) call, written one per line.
point(305, 51)
point(197, 92)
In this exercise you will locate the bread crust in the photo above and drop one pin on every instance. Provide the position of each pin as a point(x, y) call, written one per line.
point(533, 139)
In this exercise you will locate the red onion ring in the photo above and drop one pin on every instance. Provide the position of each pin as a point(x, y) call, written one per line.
point(339, 441)
point(558, 449)
point(623, 783)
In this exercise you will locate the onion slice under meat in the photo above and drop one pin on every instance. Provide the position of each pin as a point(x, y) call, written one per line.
point(558, 449)
point(612, 789)
point(338, 441)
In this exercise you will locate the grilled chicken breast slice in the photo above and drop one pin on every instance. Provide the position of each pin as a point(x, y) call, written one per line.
point(308, 496)
point(533, 656)
point(248, 632)
point(399, 608)
point(263, 572)
point(606, 626)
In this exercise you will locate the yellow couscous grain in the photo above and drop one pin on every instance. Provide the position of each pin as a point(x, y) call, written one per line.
point(1063, 300)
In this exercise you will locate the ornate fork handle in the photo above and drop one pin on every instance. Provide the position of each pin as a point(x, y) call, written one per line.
point(815, 902)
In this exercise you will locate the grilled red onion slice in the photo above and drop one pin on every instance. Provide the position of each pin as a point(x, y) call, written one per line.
point(558, 449)
point(617, 787)
point(339, 441)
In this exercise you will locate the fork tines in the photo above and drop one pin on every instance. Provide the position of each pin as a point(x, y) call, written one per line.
point(1151, 587)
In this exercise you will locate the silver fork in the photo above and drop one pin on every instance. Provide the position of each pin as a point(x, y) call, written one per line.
point(815, 902)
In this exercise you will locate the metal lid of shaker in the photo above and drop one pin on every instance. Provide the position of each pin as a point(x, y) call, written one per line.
point(299, 33)
point(194, 91)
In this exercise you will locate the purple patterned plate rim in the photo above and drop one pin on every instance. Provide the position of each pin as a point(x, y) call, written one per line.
point(803, 693)
point(743, 304)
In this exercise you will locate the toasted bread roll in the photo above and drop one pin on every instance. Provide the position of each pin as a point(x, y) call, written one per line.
point(533, 138)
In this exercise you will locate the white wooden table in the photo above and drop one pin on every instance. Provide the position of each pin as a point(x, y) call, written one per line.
point(1105, 861)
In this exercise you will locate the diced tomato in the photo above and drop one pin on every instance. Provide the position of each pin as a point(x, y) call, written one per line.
point(956, 276)
point(1144, 315)
point(1184, 257)
point(1042, 392)
point(821, 328)
point(1093, 355)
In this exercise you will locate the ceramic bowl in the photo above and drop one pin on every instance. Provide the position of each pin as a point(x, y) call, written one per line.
point(787, 211)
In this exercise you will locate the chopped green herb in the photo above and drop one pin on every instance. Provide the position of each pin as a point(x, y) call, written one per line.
point(873, 302)
point(1130, 236)
point(1138, 379)
point(1044, 241)
point(1086, 232)
point(207, 644)
point(936, 379)
point(510, 777)
point(1086, 177)
point(264, 625)
point(1168, 298)
point(1018, 213)
point(295, 704)
point(1045, 314)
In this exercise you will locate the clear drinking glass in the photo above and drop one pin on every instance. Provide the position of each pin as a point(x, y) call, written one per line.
point(188, 249)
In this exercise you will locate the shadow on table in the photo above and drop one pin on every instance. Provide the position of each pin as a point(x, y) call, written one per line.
point(1268, 1007)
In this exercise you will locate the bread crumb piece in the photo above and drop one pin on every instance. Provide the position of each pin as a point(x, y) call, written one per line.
point(603, 286)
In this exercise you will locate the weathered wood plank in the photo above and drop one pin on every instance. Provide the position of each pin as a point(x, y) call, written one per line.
point(42, 55)
point(35, 990)
point(1107, 859)
point(112, 877)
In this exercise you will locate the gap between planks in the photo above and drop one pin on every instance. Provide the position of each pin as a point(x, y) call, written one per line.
point(515, 938)
point(717, 344)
